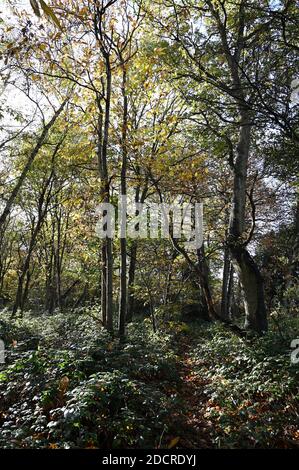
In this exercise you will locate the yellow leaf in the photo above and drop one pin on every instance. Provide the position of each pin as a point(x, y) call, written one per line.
point(83, 11)
point(53, 446)
point(63, 384)
point(173, 442)
point(50, 13)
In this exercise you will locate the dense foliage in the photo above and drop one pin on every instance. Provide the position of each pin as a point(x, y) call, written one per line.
point(190, 385)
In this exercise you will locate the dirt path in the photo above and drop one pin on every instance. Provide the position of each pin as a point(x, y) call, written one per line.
point(195, 430)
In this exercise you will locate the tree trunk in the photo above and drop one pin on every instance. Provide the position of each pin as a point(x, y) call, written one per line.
point(202, 268)
point(230, 292)
point(248, 272)
point(107, 256)
point(123, 241)
point(103, 284)
point(131, 281)
point(109, 291)
point(225, 284)
point(253, 290)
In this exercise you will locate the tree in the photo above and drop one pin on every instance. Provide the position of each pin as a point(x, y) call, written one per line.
point(234, 38)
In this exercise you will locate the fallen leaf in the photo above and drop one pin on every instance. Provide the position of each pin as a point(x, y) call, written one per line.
point(173, 442)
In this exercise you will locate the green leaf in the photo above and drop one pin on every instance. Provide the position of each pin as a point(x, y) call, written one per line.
point(50, 13)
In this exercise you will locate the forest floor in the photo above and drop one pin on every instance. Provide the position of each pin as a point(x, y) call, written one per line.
point(67, 384)
point(195, 429)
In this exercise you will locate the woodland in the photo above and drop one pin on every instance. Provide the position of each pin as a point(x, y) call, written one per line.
point(138, 342)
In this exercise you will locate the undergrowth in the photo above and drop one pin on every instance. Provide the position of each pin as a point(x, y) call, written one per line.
point(67, 384)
